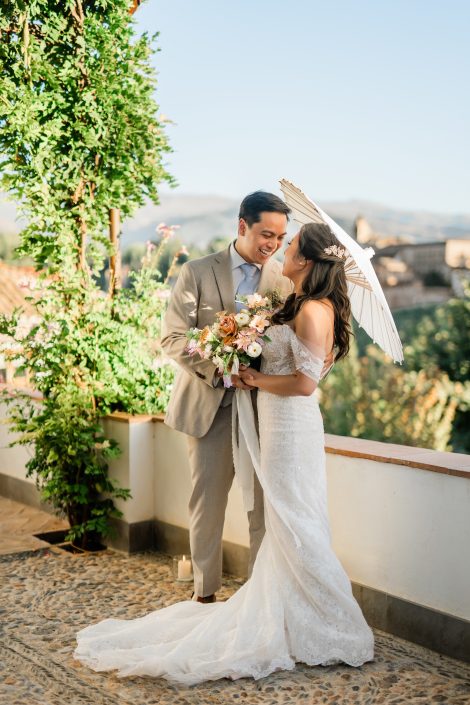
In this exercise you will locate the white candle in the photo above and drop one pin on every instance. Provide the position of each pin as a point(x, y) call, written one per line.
point(185, 569)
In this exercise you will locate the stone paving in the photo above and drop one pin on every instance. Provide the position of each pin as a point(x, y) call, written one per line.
point(47, 595)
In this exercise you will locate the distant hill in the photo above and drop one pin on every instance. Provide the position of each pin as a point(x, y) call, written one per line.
point(203, 217)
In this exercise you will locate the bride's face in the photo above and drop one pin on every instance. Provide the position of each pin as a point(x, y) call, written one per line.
point(295, 265)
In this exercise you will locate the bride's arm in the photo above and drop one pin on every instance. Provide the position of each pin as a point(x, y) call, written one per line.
point(314, 329)
point(295, 385)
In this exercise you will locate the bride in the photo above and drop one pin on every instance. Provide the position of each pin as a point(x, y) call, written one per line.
point(298, 604)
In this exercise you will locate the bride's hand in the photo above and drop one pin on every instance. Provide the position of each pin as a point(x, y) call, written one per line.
point(250, 376)
point(240, 383)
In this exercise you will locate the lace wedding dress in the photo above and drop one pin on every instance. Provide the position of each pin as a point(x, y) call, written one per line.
point(297, 605)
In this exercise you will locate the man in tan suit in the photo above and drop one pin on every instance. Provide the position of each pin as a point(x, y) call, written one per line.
point(200, 406)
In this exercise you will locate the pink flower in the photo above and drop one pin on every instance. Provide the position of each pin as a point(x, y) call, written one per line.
point(166, 231)
point(259, 322)
point(192, 347)
point(244, 338)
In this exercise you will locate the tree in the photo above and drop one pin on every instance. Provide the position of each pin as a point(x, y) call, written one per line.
point(79, 129)
point(79, 135)
point(369, 397)
point(442, 341)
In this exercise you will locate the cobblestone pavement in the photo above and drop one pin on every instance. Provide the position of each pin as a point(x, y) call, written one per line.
point(47, 595)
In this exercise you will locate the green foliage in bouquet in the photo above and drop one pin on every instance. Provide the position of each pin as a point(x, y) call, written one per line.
point(79, 135)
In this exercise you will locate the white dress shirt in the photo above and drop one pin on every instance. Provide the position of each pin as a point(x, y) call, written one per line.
point(237, 272)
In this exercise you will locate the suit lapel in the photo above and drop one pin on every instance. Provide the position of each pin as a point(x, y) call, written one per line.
point(222, 268)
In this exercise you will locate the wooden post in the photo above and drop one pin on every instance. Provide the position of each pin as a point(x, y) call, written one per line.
point(115, 259)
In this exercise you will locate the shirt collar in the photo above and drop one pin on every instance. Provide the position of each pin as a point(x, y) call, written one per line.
point(237, 260)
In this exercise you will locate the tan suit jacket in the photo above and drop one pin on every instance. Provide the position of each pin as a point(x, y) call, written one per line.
point(204, 287)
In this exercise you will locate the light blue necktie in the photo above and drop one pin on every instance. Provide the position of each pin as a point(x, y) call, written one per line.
point(248, 283)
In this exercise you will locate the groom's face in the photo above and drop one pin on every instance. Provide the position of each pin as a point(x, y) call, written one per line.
point(258, 242)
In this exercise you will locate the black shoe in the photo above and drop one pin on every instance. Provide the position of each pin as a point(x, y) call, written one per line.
point(204, 600)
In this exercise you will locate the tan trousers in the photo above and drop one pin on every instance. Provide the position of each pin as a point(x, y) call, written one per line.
point(211, 463)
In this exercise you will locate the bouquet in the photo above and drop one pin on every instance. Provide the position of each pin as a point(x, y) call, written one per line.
point(234, 339)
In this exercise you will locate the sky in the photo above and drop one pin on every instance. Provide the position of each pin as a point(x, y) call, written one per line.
point(358, 99)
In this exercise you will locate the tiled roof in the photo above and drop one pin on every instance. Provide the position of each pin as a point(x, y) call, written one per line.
point(12, 295)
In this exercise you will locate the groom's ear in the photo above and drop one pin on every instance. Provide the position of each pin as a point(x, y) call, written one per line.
point(242, 226)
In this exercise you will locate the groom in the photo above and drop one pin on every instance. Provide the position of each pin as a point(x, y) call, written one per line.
point(200, 406)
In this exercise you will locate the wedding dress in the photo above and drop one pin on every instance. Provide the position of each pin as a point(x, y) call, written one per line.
point(297, 605)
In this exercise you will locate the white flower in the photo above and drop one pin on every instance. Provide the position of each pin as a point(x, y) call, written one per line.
point(43, 375)
point(339, 252)
point(254, 350)
point(228, 348)
point(253, 299)
point(212, 338)
point(242, 318)
point(218, 362)
point(102, 446)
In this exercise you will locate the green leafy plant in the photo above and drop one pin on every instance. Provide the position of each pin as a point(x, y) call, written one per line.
point(79, 136)
point(87, 355)
point(79, 128)
point(368, 397)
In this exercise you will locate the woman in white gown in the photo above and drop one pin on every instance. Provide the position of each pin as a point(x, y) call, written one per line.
point(298, 604)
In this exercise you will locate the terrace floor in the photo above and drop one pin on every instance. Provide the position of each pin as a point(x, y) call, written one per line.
point(47, 595)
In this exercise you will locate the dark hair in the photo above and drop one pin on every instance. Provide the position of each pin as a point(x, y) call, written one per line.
point(260, 202)
point(325, 280)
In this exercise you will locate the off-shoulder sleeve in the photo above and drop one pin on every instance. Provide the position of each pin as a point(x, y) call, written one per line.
point(305, 361)
point(310, 344)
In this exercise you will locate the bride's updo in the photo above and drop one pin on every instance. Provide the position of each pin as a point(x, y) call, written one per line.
point(325, 280)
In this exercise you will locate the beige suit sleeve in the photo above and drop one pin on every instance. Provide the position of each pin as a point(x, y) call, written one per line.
point(181, 315)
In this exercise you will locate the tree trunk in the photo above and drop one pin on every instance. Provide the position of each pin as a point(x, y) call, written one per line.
point(115, 259)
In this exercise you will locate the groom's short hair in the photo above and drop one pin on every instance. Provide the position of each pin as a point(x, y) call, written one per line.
point(259, 202)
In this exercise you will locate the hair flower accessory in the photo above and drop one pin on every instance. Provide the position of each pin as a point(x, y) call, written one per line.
point(339, 252)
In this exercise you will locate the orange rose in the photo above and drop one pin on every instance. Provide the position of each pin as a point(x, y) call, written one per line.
point(229, 340)
point(227, 324)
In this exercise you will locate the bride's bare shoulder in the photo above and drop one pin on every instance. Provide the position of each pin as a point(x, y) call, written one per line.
point(317, 309)
point(315, 322)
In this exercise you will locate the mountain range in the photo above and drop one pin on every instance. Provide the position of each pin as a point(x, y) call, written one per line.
point(204, 217)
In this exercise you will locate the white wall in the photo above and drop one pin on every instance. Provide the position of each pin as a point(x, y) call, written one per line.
point(12, 460)
point(134, 468)
point(401, 530)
